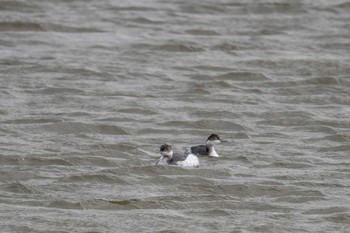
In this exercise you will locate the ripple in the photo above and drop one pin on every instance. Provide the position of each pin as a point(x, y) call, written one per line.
point(340, 218)
point(78, 128)
point(340, 148)
point(271, 7)
point(291, 165)
point(205, 88)
point(170, 202)
point(76, 71)
point(137, 111)
point(59, 90)
point(117, 147)
point(17, 176)
point(19, 187)
point(317, 128)
point(202, 32)
point(94, 178)
point(31, 26)
point(343, 6)
point(32, 121)
point(20, 26)
point(166, 180)
point(227, 47)
point(171, 47)
point(237, 190)
point(319, 184)
point(243, 76)
point(18, 6)
point(61, 204)
point(286, 118)
point(211, 114)
point(146, 131)
point(184, 48)
point(202, 8)
point(338, 137)
point(320, 81)
point(212, 213)
point(235, 76)
point(41, 161)
point(291, 199)
point(326, 211)
point(132, 8)
point(144, 20)
point(205, 124)
point(93, 160)
point(212, 68)
point(334, 46)
point(157, 202)
point(335, 123)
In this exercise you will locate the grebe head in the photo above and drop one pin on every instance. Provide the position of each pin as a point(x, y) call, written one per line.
point(166, 151)
point(213, 138)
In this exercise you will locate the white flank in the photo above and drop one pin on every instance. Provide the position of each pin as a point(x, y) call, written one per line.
point(190, 161)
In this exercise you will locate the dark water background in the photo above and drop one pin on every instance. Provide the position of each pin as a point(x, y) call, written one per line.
point(90, 90)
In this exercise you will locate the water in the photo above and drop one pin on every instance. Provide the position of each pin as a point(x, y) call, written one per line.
point(91, 89)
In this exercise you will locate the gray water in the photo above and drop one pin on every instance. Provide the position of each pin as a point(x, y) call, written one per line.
point(90, 90)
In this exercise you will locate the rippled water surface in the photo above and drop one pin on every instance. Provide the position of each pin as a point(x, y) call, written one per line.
point(91, 89)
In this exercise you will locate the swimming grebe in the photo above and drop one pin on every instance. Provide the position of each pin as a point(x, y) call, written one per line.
point(186, 159)
point(207, 149)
